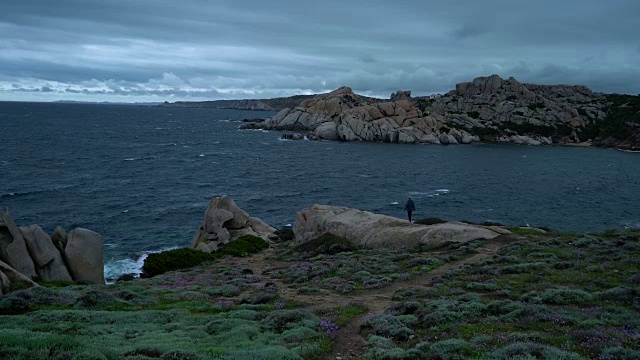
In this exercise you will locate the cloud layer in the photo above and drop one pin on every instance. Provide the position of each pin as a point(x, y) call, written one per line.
point(156, 50)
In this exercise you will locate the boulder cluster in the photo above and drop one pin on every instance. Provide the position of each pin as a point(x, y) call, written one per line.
point(225, 221)
point(27, 252)
point(488, 109)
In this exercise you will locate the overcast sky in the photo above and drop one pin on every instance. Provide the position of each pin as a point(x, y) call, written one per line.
point(156, 50)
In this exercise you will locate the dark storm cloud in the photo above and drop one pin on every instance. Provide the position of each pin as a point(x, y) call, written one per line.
point(156, 49)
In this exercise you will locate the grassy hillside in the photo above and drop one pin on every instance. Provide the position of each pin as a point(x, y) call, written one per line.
point(531, 295)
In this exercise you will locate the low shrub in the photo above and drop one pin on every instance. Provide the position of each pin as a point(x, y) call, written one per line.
point(391, 326)
point(172, 260)
point(184, 258)
point(285, 234)
point(450, 349)
point(527, 350)
point(565, 296)
point(281, 320)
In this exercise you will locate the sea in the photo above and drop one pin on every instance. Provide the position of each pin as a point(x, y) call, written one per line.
point(143, 176)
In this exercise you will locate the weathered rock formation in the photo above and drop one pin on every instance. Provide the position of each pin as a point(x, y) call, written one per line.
point(498, 108)
point(29, 251)
point(343, 115)
point(488, 109)
point(371, 230)
point(225, 221)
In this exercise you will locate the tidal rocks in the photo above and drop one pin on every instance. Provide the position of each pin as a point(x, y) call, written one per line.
point(371, 230)
point(225, 221)
point(28, 250)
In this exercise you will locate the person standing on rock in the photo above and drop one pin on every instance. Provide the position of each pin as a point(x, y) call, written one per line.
point(410, 207)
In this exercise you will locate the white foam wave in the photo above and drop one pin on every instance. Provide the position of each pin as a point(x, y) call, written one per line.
point(201, 155)
point(395, 203)
point(117, 267)
point(141, 158)
point(125, 211)
point(431, 193)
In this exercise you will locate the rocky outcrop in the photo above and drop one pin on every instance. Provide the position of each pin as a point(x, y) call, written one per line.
point(10, 279)
point(84, 254)
point(380, 231)
point(46, 257)
point(485, 109)
point(343, 115)
point(13, 248)
point(225, 221)
point(496, 108)
point(29, 251)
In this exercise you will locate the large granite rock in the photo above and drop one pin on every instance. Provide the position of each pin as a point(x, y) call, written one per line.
point(84, 254)
point(28, 250)
point(225, 221)
point(379, 231)
point(13, 249)
point(46, 257)
point(10, 277)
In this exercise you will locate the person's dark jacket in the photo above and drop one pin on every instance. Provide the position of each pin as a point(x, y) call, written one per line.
point(410, 206)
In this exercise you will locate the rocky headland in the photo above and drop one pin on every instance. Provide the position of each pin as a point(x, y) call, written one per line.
point(487, 109)
point(275, 104)
point(28, 253)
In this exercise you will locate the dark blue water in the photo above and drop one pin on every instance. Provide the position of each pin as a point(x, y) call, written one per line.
point(143, 176)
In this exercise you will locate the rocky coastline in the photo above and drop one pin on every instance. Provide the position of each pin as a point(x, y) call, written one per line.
point(487, 109)
point(342, 284)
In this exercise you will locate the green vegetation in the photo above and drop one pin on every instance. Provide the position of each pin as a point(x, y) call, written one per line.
point(551, 296)
point(534, 107)
point(425, 104)
point(622, 121)
point(541, 295)
point(528, 128)
point(526, 231)
point(473, 114)
point(184, 258)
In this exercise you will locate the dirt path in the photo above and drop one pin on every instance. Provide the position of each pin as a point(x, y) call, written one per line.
point(349, 343)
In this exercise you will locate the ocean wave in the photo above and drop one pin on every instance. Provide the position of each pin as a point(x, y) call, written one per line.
point(395, 203)
point(117, 267)
point(35, 192)
point(4, 163)
point(141, 158)
point(431, 193)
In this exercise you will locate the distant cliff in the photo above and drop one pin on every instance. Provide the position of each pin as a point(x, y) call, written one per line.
point(276, 104)
point(487, 109)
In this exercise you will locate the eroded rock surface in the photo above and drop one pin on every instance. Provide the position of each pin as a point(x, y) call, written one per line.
point(487, 108)
point(29, 251)
point(371, 230)
point(224, 221)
